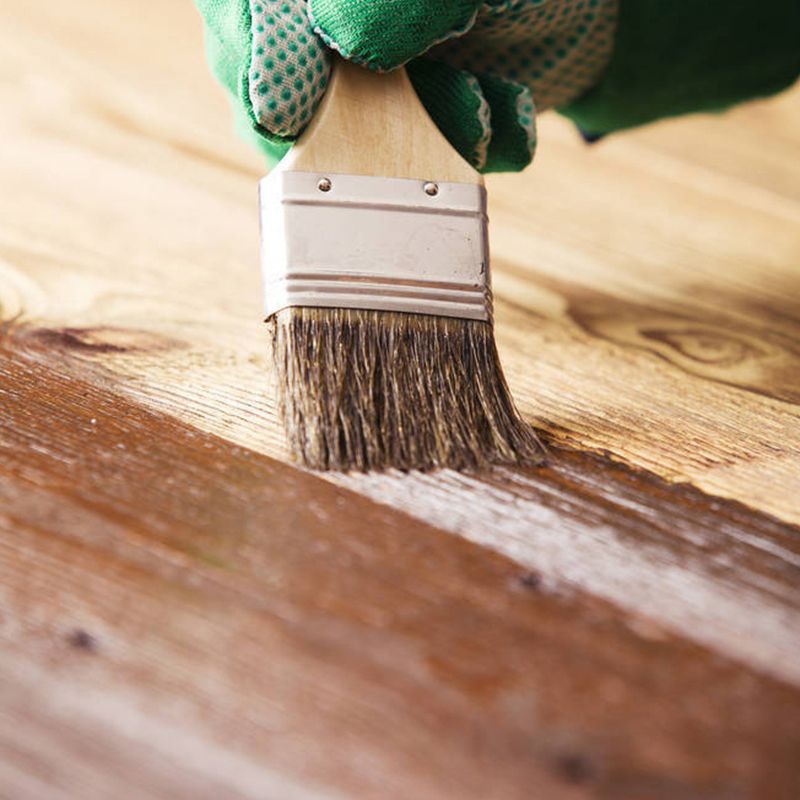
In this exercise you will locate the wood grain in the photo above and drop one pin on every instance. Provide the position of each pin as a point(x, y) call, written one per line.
point(374, 124)
point(182, 614)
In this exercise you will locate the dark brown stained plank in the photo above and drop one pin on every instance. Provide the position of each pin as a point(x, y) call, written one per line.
point(264, 616)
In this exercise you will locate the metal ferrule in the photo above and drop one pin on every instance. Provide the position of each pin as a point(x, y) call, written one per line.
point(388, 244)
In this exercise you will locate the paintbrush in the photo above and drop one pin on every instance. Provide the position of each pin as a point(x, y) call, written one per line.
point(376, 274)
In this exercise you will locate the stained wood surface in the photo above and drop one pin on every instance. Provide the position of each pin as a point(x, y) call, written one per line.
point(183, 614)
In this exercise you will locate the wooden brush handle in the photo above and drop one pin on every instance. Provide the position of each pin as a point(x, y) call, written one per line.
point(374, 124)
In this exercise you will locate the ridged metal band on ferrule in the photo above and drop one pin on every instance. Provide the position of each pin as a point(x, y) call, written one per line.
point(388, 244)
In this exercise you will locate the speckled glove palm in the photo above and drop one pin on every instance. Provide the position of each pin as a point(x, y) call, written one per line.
point(480, 68)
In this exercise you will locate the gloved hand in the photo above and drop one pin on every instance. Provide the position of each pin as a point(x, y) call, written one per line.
point(479, 67)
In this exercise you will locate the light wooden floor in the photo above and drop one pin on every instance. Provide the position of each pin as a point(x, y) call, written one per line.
point(184, 615)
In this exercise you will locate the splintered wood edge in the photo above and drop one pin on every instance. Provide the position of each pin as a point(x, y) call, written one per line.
point(374, 124)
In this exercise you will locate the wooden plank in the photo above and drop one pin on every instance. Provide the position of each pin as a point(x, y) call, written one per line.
point(184, 614)
point(182, 608)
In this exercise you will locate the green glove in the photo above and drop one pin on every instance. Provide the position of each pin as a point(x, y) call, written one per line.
point(684, 56)
point(478, 67)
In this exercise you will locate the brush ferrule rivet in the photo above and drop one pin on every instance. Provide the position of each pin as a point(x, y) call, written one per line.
point(431, 189)
point(324, 184)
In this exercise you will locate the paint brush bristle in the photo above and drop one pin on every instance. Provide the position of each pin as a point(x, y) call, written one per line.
point(371, 390)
